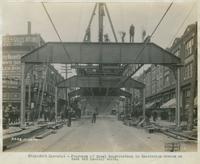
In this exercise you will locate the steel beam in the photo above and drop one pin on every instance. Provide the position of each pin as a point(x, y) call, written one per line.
point(56, 103)
point(115, 92)
point(110, 67)
point(100, 53)
point(178, 120)
point(99, 82)
point(143, 103)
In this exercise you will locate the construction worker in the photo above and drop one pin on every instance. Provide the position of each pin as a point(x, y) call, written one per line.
point(106, 38)
point(123, 36)
point(87, 35)
point(132, 33)
point(94, 117)
point(143, 35)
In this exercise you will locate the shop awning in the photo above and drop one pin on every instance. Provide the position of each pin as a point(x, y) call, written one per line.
point(195, 102)
point(149, 105)
point(169, 104)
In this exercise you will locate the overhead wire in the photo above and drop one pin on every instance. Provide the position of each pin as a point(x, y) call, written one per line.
point(146, 41)
point(56, 31)
point(181, 25)
point(153, 32)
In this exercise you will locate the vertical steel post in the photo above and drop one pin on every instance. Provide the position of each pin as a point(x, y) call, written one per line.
point(56, 103)
point(178, 99)
point(67, 97)
point(143, 102)
point(131, 102)
point(23, 96)
point(29, 96)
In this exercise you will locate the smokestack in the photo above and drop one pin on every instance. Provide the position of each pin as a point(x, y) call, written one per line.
point(29, 27)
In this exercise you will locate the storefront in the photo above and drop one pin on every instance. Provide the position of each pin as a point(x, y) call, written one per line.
point(168, 110)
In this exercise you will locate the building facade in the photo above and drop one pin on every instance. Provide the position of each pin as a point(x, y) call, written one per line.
point(40, 80)
point(160, 80)
point(14, 47)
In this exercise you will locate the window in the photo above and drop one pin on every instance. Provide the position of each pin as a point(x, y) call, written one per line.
point(188, 47)
point(187, 93)
point(188, 71)
point(166, 81)
point(153, 87)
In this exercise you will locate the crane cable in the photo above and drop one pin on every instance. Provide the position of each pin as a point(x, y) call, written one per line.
point(153, 32)
point(55, 29)
point(181, 25)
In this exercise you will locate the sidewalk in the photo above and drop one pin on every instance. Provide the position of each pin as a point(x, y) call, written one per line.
point(11, 130)
point(14, 134)
point(166, 123)
point(163, 123)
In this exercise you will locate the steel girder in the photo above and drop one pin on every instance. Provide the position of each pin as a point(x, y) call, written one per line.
point(99, 82)
point(113, 92)
point(100, 53)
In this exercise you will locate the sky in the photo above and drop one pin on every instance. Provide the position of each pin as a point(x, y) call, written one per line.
point(71, 19)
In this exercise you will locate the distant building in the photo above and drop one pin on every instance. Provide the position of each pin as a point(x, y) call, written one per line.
point(14, 47)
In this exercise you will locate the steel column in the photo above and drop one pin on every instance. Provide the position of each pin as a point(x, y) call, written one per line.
point(29, 96)
point(143, 102)
point(23, 96)
point(178, 98)
point(56, 103)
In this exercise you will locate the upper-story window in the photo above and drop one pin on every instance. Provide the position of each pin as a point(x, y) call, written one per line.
point(188, 71)
point(166, 80)
point(177, 53)
point(188, 47)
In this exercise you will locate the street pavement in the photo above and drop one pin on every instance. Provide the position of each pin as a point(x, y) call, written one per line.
point(106, 135)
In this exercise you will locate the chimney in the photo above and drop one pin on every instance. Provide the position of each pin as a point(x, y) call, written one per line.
point(29, 27)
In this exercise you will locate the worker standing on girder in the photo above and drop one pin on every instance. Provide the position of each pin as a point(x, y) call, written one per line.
point(132, 33)
point(106, 38)
point(87, 35)
point(143, 35)
point(123, 36)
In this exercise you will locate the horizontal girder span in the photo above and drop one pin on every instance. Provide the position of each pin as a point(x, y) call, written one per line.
point(87, 92)
point(99, 82)
point(100, 53)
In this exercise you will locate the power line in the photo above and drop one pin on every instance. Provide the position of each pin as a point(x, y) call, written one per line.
point(146, 41)
point(153, 32)
point(161, 19)
point(55, 29)
point(190, 11)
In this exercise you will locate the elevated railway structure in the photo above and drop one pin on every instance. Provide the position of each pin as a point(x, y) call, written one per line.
point(100, 65)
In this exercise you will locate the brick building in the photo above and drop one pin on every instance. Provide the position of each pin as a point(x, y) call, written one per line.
point(40, 81)
point(160, 80)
